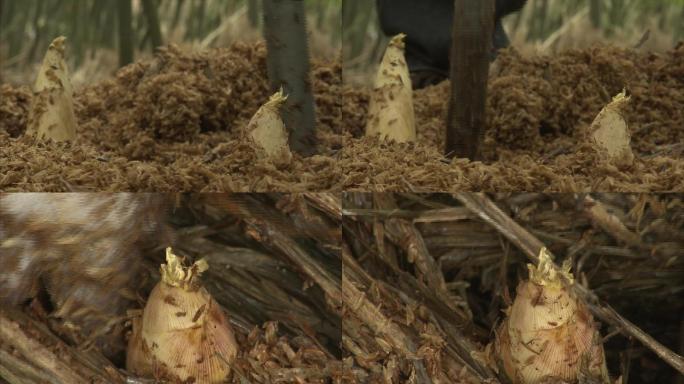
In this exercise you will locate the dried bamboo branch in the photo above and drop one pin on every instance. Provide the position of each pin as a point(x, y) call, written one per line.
point(356, 302)
point(459, 346)
point(30, 353)
point(609, 223)
point(269, 234)
point(443, 214)
point(300, 375)
point(327, 202)
point(530, 245)
point(404, 233)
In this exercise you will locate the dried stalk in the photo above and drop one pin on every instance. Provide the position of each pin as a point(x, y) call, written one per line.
point(31, 353)
point(530, 245)
point(356, 302)
point(316, 272)
point(609, 223)
point(327, 202)
point(404, 233)
point(459, 348)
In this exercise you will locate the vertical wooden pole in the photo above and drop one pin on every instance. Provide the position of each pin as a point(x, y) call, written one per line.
point(473, 28)
point(152, 17)
point(253, 12)
point(125, 17)
point(289, 68)
point(595, 13)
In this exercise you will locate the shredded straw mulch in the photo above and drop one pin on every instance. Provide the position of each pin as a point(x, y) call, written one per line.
point(538, 108)
point(171, 123)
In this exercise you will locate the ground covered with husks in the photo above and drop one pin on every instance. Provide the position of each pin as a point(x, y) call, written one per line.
point(538, 108)
point(171, 123)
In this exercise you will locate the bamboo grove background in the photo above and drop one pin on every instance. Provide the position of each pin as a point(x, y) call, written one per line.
point(544, 26)
point(95, 27)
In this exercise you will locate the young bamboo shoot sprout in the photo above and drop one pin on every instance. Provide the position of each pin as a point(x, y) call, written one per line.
point(610, 134)
point(52, 110)
point(548, 336)
point(390, 113)
point(267, 131)
point(183, 335)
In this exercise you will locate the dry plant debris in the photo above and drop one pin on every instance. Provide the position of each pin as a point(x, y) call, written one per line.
point(274, 267)
point(172, 123)
point(539, 109)
point(400, 328)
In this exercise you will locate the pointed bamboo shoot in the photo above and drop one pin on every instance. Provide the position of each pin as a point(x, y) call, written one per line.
point(610, 134)
point(390, 113)
point(52, 111)
point(267, 131)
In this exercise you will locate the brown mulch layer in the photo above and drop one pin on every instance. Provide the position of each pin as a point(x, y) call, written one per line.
point(538, 108)
point(430, 277)
point(171, 124)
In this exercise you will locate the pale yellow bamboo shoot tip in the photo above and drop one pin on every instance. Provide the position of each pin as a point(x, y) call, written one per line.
point(267, 132)
point(390, 112)
point(52, 111)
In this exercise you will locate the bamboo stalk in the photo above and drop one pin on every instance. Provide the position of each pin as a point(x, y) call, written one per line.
point(152, 17)
point(473, 27)
point(125, 18)
point(285, 31)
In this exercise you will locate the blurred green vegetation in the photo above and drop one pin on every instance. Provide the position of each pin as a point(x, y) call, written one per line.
point(543, 26)
point(28, 26)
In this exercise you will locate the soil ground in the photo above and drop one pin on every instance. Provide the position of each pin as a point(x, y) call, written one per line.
point(538, 109)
